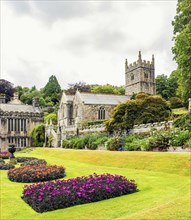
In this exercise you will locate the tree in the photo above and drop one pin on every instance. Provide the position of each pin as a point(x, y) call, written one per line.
point(144, 109)
point(166, 87)
point(107, 89)
point(80, 86)
point(182, 45)
point(52, 89)
point(38, 135)
point(6, 88)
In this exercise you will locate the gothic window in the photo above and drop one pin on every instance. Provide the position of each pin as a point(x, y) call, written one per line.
point(101, 113)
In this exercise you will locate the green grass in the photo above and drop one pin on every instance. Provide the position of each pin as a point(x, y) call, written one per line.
point(163, 180)
point(179, 111)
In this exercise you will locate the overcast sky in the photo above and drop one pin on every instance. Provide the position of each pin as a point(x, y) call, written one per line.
point(83, 40)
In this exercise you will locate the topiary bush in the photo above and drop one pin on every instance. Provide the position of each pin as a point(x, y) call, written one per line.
point(65, 193)
point(29, 174)
point(34, 162)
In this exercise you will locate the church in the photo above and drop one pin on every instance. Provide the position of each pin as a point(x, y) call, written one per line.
point(82, 107)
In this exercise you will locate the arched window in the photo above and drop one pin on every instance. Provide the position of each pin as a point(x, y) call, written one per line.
point(101, 113)
point(132, 76)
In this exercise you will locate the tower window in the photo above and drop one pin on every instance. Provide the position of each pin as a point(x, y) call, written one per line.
point(132, 76)
point(101, 113)
point(146, 75)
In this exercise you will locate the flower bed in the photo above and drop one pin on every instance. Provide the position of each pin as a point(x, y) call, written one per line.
point(34, 162)
point(58, 194)
point(6, 166)
point(4, 155)
point(29, 174)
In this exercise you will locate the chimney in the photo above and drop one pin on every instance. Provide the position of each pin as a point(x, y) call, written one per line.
point(35, 102)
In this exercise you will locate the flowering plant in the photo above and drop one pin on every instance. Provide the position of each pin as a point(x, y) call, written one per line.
point(24, 159)
point(58, 194)
point(4, 155)
point(28, 174)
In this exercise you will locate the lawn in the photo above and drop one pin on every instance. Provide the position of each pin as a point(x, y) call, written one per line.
point(163, 180)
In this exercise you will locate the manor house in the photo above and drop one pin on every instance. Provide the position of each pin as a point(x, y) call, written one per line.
point(17, 121)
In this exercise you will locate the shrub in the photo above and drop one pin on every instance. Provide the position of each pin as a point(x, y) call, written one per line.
point(4, 155)
point(183, 122)
point(160, 140)
point(28, 174)
point(180, 138)
point(175, 102)
point(4, 166)
point(2, 161)
point(23, 159)
point(34, 162)
point(37, 135)
point(115, 144)
point(65, 193)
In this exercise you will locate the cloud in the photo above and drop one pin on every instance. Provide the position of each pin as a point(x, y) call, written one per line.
point(83, 41)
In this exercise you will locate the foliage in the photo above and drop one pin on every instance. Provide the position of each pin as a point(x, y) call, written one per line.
point(115, 144)
point(182, 45)
point(144, 109)
point(52, 89)
point(181, 138)
point(51, 117)
point(37, 135)
point(166, 87)
point(80, 86)
point(28, 95)
point(175, 102)
point(183, 122)
point(38, 173)
point(90, 141)
point(107, 89)
point(6, 88)
point(65, 193)
point(4, 155)
point(34, 162)
point(6, 166)
point(90, 123)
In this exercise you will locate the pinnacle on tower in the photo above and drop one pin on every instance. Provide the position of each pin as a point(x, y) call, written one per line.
point(126, 64)
point(139, 57)
point(153, 59)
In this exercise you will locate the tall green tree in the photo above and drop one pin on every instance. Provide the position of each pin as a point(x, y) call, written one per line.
point(52, 89)
point(182, 45)
point(166, 87)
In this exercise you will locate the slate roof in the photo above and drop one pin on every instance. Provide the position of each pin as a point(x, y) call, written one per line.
point(19, 108)
point(103, 99)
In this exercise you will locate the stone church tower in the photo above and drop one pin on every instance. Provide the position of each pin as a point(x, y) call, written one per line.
point(140, 76)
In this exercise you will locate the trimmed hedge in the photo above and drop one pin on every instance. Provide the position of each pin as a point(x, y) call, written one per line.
point(49, 196)
point(29, 174)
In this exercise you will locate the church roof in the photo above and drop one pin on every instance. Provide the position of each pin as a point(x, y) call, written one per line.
point(19, 108)
point(103, 99)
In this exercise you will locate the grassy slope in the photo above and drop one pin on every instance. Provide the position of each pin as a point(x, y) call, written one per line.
point(163, 180)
